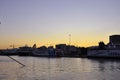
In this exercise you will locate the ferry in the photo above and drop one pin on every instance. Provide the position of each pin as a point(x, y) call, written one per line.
point(112, 53)
point(111, 50)
point(25, 51)
point(9, 51)
point(50, 52)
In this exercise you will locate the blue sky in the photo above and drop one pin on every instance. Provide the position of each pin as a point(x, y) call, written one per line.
point(48, 22)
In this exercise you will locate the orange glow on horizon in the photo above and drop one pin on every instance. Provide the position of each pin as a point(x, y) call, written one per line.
point(47, 43)
point(81, 41)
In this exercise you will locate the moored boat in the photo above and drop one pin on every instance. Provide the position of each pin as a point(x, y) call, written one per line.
point(111, 50)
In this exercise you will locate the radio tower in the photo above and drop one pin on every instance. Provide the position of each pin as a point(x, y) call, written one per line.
point(69, 39)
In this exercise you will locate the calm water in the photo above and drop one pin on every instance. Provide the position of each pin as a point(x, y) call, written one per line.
point(38, 68)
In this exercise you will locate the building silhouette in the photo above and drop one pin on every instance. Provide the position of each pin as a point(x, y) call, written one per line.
point(114, 39)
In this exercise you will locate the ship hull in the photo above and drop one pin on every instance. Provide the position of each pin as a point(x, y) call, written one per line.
point(104, 53)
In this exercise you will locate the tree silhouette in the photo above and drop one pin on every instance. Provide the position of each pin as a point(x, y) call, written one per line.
point(101, 45)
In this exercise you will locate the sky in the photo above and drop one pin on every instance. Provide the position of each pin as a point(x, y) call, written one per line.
point(50, 22)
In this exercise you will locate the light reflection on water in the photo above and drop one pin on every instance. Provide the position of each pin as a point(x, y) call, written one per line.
point(38, 68)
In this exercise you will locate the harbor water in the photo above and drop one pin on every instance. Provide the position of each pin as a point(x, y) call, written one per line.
point(38, 68)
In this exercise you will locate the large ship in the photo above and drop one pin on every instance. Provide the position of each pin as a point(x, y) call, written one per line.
point(111, 50)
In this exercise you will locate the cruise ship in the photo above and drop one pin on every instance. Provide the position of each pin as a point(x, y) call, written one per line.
point(111, 50)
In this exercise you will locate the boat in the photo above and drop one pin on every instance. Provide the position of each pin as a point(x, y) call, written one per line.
point(47, 52)
point(108, 53)
point(9, 52)
point(41, 53)
point(25, 51)
point(111, 50)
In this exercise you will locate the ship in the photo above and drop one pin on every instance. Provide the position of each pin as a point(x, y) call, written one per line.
point(47, 52)
point(25, 51)
point(9, 51)
point(111, 50)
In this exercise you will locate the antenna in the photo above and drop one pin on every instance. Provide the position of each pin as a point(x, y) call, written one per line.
point(69, 39)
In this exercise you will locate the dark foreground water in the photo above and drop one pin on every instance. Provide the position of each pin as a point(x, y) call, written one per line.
point(38, 68)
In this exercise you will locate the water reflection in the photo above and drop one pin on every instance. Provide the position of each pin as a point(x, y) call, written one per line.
point(107, 64)
point(59, 69)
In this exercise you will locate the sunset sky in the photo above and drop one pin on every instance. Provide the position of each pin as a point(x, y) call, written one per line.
point(49, 22)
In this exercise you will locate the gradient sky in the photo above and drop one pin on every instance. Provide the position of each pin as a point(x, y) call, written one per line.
point(49, 22)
